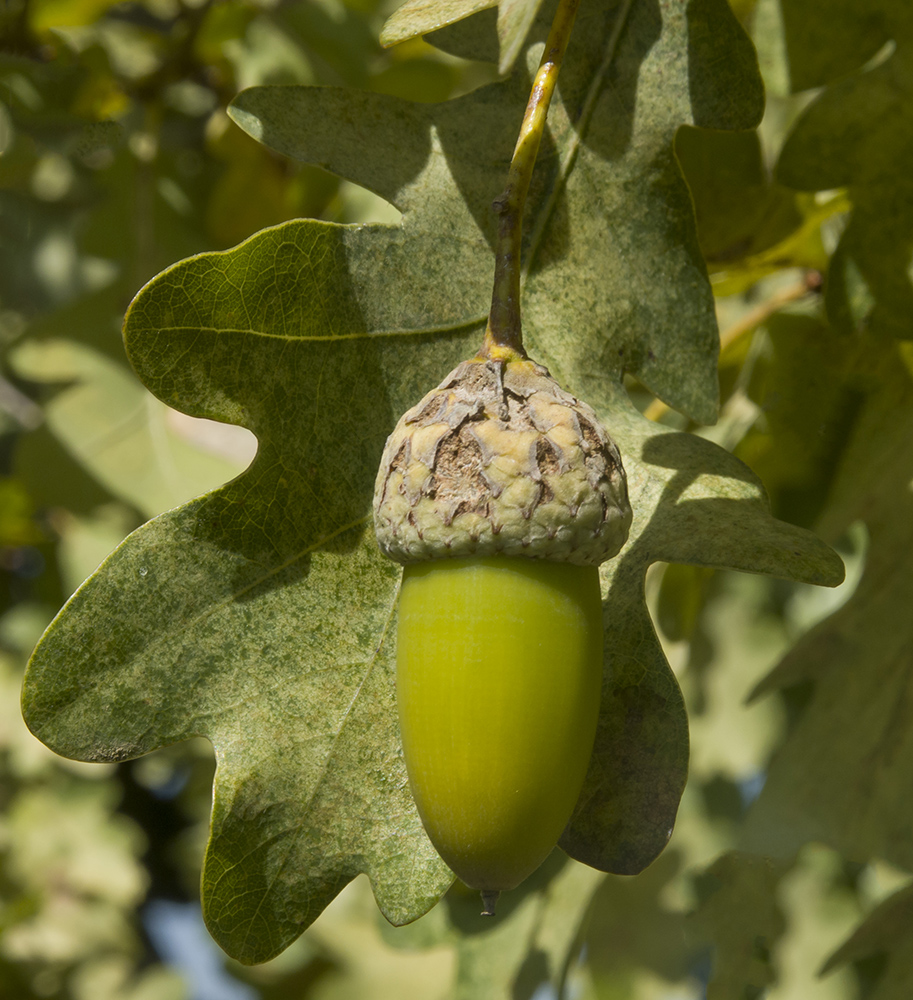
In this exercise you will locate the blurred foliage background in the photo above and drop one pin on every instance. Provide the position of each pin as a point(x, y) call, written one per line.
point(787, 875)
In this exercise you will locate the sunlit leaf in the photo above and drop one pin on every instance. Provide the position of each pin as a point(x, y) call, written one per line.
point(418, 17)
point(515, 18)
point(110, 425)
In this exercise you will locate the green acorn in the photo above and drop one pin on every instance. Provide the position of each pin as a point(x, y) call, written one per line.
point(501, 493)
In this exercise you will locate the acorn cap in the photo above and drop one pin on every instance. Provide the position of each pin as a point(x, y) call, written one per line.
point(500, 460)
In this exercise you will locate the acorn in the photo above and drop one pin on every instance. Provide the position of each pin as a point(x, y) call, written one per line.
point(500, 493)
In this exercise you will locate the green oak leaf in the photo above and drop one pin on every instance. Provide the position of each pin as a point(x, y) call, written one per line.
point(844, 775)
point(809, 406)
point(829, 39)
point(739, 211)
point(420, 17)
point(607, 181)
point(696, 504)
point(853, 135)
point(630, 926)
point(266, 595)
point(885, 935)
point(740, 914)
point(515, 18)
point(533, 942)
point(261, 615)
point(107, 423)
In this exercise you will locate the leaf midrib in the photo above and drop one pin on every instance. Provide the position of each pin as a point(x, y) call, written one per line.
point(462, 324)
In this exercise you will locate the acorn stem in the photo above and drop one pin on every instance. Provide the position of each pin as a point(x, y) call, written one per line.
point(503, 335)
point(489, 901)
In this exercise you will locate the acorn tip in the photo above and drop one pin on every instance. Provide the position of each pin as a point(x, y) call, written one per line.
point(489, 901)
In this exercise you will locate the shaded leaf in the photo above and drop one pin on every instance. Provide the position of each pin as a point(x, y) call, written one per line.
point(845, 773)
point(630, 925)
point(810, 400)
point(853, 135)
point(827, 39)
point(885, 936)
point(739, 211)
point(472, 38)
point(364, 964)
point(740, 914)
point(533, 940)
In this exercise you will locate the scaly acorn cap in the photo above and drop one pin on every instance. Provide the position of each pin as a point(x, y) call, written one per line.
point(500, 460)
